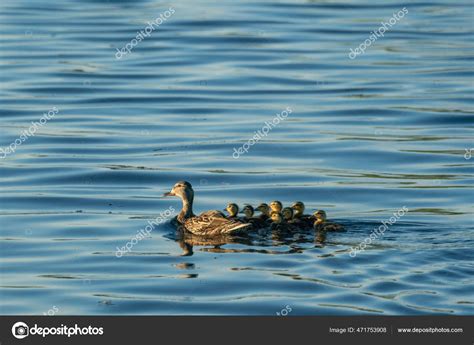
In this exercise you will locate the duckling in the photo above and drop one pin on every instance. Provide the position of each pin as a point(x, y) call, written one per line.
point(265, 211)
point(277, 221)
point(279, 224)
point(297, 225)
point(276, 206)
point(321, 222)
point(248, 211)
point(287, 214)
point(233, 210)
point(303, 221)
point(249, 218)
point(298, 208)
point(208, 223)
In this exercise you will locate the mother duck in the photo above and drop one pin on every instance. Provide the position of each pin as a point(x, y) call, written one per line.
point(209, 223)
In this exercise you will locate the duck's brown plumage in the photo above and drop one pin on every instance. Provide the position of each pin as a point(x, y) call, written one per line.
point(209, 223)
point(212, 223)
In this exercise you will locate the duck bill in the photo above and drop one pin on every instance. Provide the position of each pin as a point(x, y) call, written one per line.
point(169, 194)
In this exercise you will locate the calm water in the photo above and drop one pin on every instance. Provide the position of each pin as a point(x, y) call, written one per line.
point(366, 137)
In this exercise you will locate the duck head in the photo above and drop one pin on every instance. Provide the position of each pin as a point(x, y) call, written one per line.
point(276, 217)
point(298, 208)
point(183, 190)
point(276, 206)
point(287, 213)
point(320, 216)
point(232, 209)
point(264, 209)
point(248, 211)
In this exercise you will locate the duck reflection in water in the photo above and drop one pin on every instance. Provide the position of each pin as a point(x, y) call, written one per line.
point(252, 243)
point(187, 241)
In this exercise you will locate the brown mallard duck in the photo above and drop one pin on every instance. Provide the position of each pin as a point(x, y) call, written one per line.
point(208, 223)
point(322, 224)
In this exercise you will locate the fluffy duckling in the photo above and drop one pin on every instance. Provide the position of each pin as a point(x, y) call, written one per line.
point(287, 214)
point(276, 206)
point(265, 211)
point(323, 224)
point(248, 211)
point(303, 221)
point(233, 210)
point(298, 208)
point(257, 223)
point(279, 223)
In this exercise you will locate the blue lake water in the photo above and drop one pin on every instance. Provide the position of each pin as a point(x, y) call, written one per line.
point(392, 127)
